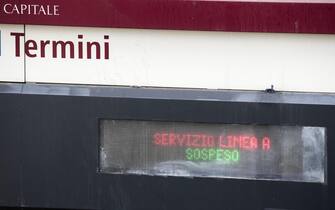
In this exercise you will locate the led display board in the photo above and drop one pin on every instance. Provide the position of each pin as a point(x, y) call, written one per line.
point(287, 153)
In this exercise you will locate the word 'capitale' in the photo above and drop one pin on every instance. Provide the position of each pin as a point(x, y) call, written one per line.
point(31, 9)
point(68, 49)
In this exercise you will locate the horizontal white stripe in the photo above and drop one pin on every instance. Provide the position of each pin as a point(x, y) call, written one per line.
point(187, 59)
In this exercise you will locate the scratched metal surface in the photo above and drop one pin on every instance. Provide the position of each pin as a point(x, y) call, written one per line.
point(49, 148)
point(169, 93)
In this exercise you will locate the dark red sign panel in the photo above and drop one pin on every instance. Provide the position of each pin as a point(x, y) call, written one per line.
point(313, 16)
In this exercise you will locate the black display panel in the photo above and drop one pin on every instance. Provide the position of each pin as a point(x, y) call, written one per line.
point(289, 153)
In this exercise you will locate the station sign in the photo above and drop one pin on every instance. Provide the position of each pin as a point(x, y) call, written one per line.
point(167, 58)
point(179, 44)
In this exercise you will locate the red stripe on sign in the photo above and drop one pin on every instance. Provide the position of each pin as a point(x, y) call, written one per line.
point(300, 16)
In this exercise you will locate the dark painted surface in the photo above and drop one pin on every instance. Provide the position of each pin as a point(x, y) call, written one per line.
point(49, 155)
point(189, 15)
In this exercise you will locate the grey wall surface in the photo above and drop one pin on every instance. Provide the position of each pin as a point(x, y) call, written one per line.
point(49, 148)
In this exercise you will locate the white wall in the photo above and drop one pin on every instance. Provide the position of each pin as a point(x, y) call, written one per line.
point(224, 60)
point(11, 67)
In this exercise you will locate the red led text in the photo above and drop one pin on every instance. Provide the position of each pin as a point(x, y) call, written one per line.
point(242, 142)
